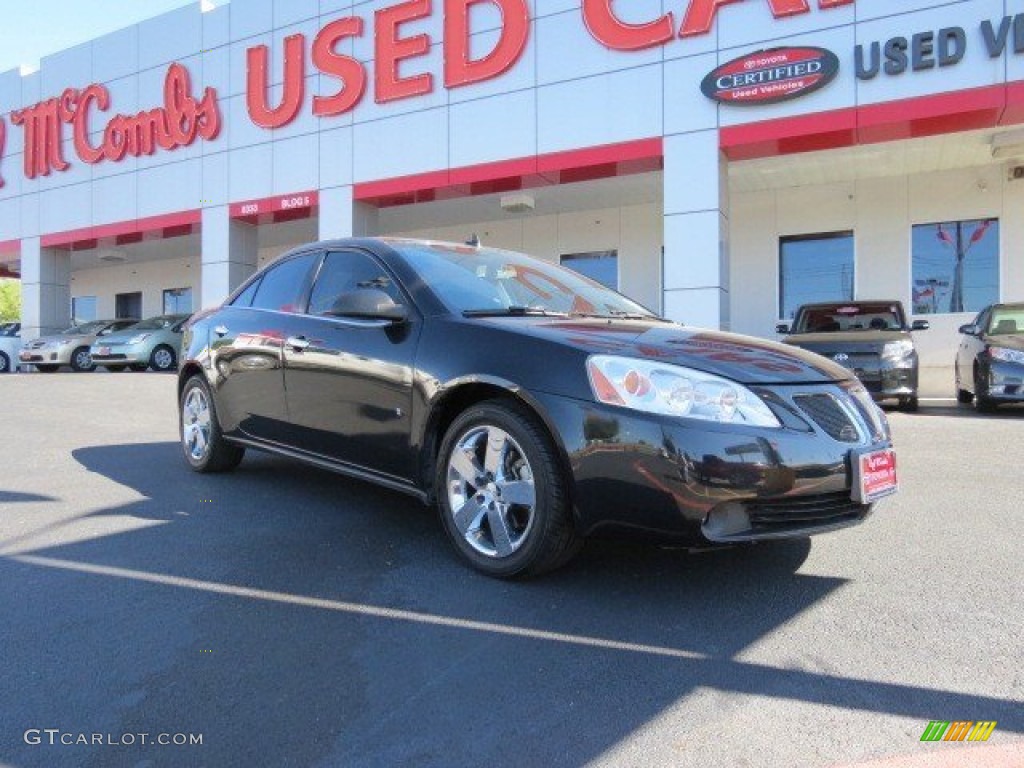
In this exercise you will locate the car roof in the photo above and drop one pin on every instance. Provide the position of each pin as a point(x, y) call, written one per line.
point(857, 303)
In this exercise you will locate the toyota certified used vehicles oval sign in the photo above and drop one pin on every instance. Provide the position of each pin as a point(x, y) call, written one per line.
point(767, 77)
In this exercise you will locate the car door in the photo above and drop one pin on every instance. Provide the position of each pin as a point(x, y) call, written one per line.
point(349, 380)
point(246, 348)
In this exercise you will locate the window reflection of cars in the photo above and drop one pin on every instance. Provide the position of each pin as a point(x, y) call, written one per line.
point(533, 406)
point(990, 361)
point(871, 338)
point(10, 343)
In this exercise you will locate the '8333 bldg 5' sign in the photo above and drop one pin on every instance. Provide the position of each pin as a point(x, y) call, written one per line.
point(771, 76)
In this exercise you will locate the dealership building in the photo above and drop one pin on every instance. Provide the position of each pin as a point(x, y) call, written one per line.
point(720, 161)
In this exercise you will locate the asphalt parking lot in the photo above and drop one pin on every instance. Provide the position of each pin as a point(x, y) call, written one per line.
point(295, 618)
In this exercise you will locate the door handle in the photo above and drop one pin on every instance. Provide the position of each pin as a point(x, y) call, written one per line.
point(221, 331)
point(297, 343)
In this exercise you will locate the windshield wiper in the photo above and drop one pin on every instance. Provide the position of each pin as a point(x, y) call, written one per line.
point(618, 314)
point(514, 311)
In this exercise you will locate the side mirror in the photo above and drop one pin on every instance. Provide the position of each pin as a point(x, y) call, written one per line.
point(782, 328)
point(369, 304)
point(969, 329)
point(920, 325)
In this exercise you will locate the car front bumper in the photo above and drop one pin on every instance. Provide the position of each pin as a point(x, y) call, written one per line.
point(46, 356)
point(118, 354)
point(705, 482)
point(1005, 381)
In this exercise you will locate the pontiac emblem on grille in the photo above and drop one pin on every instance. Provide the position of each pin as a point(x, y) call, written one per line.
point(842, 357)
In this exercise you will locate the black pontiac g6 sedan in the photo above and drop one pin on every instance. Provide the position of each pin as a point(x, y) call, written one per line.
point(534, 406)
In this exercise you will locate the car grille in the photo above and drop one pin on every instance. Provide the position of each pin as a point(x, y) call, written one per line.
point(825, 411)
point(794, 511)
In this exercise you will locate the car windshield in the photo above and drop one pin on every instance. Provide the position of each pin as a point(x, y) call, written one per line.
point(838, 318)
point(9, 329)
point(158, 323)
point(86, 329)
point(1007, 320)
point(484, 281)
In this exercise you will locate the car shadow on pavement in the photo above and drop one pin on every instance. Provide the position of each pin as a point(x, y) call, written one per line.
point(12, 497)
point(295, 617)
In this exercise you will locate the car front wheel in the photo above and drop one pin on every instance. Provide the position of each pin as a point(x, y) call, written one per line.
point(502, 492)
point(982, 402)
point(201, 438)
point(5, 363)
point(81, 361)
point(162, 359)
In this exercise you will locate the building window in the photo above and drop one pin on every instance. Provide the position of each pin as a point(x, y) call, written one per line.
point(814, 268)
point(599, 266)
point(178, 301)
point(956, 266)
point(83, 309)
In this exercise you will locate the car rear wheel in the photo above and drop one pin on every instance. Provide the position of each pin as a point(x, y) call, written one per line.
point(162, 359)
point(201, 438)
point(81, 361)
point(5, 363)
point(502, 492)
point(909, 404)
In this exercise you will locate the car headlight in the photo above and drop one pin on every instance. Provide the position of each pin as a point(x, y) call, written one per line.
point(1006, 355)
point(897, 350)
point(671, 390)
point(139, 339)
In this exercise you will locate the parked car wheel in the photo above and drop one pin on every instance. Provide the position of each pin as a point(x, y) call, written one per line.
point(201, 438)
point(5, 363)
point(163, 359)
point(81, 361)
point(502, 494)
point(963, 396)
point(47, 368)
point(909, 404)
point(982, 402)
point(139, 367)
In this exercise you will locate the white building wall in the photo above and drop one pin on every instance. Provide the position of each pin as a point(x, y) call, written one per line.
point(150, 277)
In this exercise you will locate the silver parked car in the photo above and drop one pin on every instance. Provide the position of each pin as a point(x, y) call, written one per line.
point(154, 343)
point(70, 347)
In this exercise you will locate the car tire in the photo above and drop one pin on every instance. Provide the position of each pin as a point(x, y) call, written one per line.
point(199, 430)
point(81, 361)
point(139, 367)
point(163, 359)
point(909, 404)
point(964, 397)
point(47, 368)
point(982, 402)
point(5, 363)
point(505, 450)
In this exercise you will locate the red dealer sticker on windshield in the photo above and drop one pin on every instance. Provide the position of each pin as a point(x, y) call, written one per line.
point(767, 77)
point(874, 476)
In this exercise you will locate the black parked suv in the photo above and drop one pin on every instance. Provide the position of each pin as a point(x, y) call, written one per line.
point(871, 338)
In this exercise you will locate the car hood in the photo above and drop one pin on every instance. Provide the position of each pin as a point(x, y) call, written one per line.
point(60, 338)
point(740, 358)
point(121, 337)
point(846, 341)
point(1014, 341)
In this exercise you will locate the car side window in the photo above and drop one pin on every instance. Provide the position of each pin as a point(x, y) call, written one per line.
point(120, 325)
point(284, 286)
point(244, 299)
point(347, 271)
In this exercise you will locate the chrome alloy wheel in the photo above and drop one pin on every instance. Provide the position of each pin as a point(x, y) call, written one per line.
point(163, 359)
point(83, 360)
point(491, 493)
point(195, 424)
